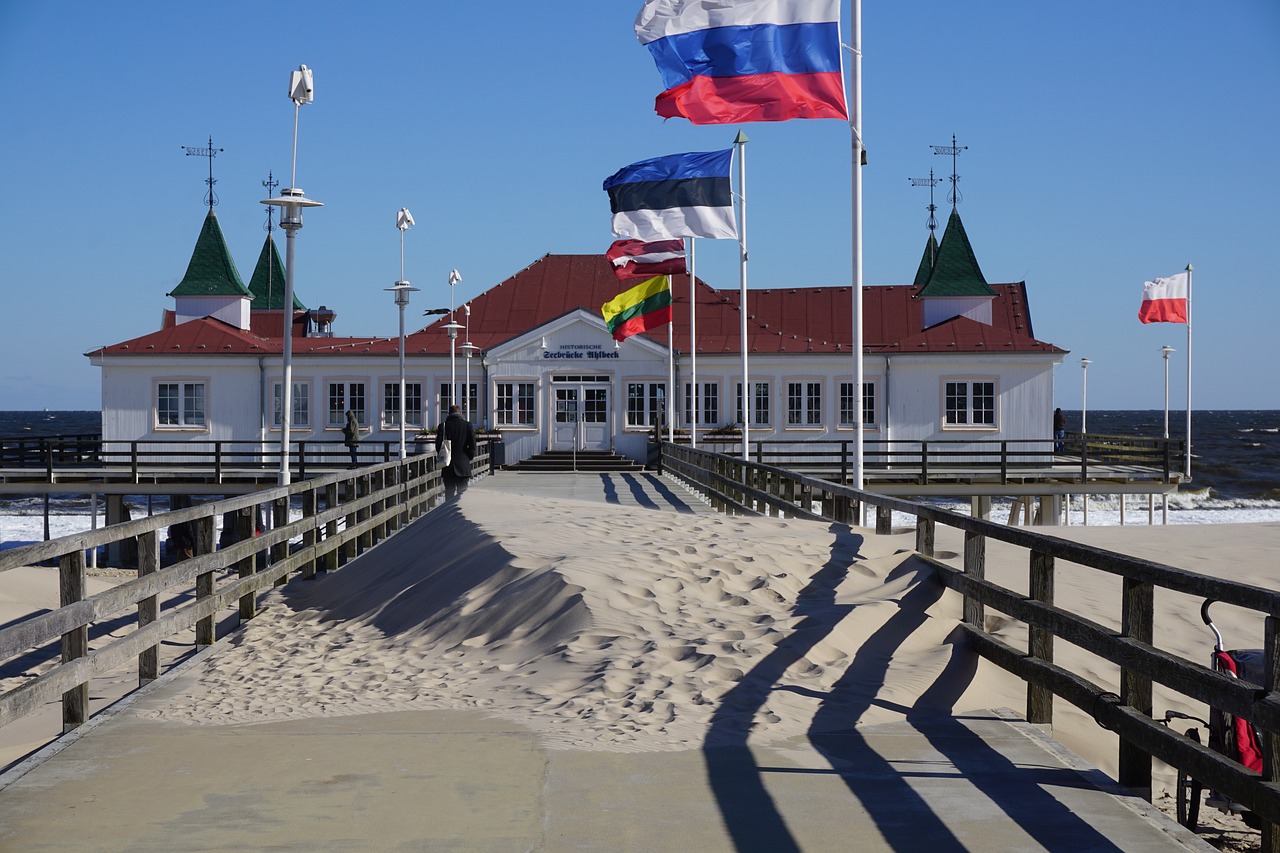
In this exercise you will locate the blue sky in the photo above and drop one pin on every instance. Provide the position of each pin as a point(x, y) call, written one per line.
point(1108, 143)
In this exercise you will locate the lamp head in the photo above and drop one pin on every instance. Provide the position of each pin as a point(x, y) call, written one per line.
point(404, 219)
point(301, 86)
point(454, 277)
point(1084, 363)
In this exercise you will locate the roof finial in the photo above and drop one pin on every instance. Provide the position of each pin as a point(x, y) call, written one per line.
point(929, 182)
point(210, 198)
point(954, 196)
point(270, 183)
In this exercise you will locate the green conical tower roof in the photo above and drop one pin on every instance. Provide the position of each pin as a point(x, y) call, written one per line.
point(267, 282)
point(211, 271)
point(955, 270)
point(927, 260)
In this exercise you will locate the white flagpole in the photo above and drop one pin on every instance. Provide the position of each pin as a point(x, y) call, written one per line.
point(741, 141)
point(855, 117)
point(1188, 457)
point(671, 367)
point(693, 345)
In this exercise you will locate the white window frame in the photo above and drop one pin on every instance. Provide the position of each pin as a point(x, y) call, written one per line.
point(710, 404)
point(517, 416)
point(301, 405)
point(391, 394)
point(761, 400)
point(186, 420)
point(338, 419)
point(444, 400)
point(653, 400)
point(806, 397)
point(870, 413)
point(948, 389)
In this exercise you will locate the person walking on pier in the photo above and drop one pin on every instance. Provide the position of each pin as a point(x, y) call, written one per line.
point(351, 435)
point(1059, 431)
point(462, 447)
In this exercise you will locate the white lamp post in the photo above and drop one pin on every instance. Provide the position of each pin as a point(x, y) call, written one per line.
point(1165, 350)
point(452, 328)
point(1084, 394)
point(401, 289)
point(469, 349)
point(291, 201)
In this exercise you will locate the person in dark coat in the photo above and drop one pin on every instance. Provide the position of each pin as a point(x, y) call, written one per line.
point(351, 435)
point(462, 446)
point(1059, 430)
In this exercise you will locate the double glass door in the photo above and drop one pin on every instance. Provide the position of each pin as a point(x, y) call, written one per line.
point(580, 419)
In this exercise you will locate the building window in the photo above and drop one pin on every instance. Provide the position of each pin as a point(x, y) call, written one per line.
point(515, 404)
point(412, 404)
point(969, 403)
point(710, 404)
point(804, 403)
point(344, 397)
point(470, 398)
point(868, 404)
point(646, 403)
point(180, 404)
point(759, 403)
point(301, 405)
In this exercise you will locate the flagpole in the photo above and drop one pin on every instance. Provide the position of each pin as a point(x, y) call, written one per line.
point(693, 344)
point(741, 142)
point(1188, 456)
point(671, 370)
point(855, 124)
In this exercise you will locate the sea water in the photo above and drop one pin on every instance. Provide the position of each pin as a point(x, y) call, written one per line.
point(1235, 474)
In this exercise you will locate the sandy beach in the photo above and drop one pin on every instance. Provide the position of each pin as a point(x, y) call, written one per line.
point(607, 628)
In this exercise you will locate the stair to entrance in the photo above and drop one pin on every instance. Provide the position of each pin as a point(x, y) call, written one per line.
point(566, 461)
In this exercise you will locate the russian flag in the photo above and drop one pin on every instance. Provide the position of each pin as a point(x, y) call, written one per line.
point(746, 60)
point(1165, 299)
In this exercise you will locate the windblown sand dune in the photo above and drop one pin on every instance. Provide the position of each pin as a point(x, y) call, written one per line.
point(602, 627)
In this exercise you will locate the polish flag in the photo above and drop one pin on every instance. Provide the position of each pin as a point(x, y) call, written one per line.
point(1165, 299)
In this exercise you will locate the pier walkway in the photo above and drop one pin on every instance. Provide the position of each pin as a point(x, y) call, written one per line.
point(464, 780)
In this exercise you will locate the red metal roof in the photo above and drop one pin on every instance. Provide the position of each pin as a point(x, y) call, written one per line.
point(803, 319)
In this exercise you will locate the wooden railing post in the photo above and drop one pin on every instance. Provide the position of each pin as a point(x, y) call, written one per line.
point(975, 566)
point(331, 555)
point(206, 626)
point(1137, 623)
point(217, 461)
point(244, 522)
point(349, 546)
point(924, 536)
point(279, 518)
point(365, 540)
point(1270, 741)
point(149, 607)
point(75, 643)
point(302, 460)
point(1040, 640)
point(884, 521)
point(310, 535)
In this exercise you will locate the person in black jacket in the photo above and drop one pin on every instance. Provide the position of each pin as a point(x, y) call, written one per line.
point(462, 446)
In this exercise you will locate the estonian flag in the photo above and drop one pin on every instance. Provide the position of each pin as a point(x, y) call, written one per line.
point(747, 60)
point(679, 195)
point(632, 259)
point(645, 306)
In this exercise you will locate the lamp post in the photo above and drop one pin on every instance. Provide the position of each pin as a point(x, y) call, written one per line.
point(291, 201)
point(452, 328)
point(401, 290)
point(1084, 394)
point(469, 349)
point(1165, 351)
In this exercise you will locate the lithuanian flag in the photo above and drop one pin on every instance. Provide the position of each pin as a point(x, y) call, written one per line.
point(645, 306)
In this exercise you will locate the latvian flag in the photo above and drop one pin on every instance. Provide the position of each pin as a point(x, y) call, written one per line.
point(645, 306)
point(679, 195)
point(747, 60)
point(632, 259)
point(1165, 300)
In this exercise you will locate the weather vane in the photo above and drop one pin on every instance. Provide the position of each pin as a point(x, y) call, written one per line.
point(954, 196)
point(929, 182)
point(270, 183)
point(210, 198)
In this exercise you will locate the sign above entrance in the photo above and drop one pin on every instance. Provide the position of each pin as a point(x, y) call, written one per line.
point(581, 351)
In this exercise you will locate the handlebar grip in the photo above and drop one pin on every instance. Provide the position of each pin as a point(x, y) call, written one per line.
point(1204, 611)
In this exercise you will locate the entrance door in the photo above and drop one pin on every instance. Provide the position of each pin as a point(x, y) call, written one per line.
point(580, 415)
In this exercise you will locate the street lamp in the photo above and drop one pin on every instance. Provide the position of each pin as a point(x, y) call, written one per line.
point(470, 348)
point(401, 289)
point(291, 201)
point(1165, 350)
point(1084, 394)
point(452, 328)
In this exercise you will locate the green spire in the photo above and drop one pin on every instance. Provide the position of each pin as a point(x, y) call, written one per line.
point(211, 271)
point(955, 270)
point(267, 282)
point(927, 260)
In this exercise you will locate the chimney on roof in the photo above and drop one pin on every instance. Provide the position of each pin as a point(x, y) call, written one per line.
point(323, 318)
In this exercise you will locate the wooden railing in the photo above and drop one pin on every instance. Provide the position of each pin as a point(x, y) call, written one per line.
point(735, 487)
point(934, 461)
point(343, 515)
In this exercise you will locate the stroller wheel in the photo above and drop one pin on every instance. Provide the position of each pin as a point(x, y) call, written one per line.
point(1188, 795)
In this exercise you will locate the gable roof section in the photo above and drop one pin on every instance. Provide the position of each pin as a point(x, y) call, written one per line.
point(267, 282)
point(211, 272)
point(955, 270)
point(205, 336)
